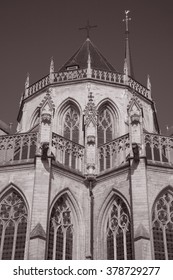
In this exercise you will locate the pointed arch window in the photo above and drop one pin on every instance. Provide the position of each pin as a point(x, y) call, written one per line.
point(119, 245)
point(35, 121)
point(105, 126)
point(60, 244)
point(71, 124)
point(71, 132)
point(162, 226)
point(13, 226)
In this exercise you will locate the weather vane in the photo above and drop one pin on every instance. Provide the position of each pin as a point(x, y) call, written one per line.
point(127, 19)
point(87, 28)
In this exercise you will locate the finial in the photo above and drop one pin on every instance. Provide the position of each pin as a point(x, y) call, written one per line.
point(89, 66)
point(149, 86)
point(51, 65)
point(87, 28)
point(10, 126)
point(27, 81)
point(126, 20)
point(148, 82)
point(125, 67)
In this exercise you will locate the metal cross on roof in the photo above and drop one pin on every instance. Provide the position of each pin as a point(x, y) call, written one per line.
point(87, 28)
point(127, 19)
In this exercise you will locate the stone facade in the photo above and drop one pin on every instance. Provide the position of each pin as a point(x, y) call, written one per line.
point(89, 165)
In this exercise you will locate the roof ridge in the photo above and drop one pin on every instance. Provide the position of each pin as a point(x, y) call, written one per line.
point(80, 58)
point(100, 54)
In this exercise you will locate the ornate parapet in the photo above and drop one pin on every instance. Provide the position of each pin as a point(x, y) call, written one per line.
point(67, 153)
point(18, 148)
point(159, 148)
point(81, 74)
point(114, 153)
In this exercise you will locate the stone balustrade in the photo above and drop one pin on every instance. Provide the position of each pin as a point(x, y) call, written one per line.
point(114, 153)
point(159, 148)
point(80, 74)
point(68, 153)
point(17, 148)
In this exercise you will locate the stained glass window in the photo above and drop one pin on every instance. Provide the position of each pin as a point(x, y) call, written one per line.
point(162, 222)
point(119, 245)
point(71, 132)
point(13, 225)
point(60, 245)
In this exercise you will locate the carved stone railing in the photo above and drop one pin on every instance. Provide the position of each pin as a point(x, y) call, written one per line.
point(38, 85)
point(114, 153)
point(107, 76)
point(69, 75)
point(79, 74)
point(68, 153)
point(17, 148)
point(138, 87)
point(159, 148)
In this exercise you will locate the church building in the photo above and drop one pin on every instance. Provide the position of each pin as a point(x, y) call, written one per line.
point(87, 175)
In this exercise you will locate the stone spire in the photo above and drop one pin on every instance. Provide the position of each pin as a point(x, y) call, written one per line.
point(128, 68)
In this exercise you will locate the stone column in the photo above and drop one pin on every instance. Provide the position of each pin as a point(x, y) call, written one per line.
point(138, 183)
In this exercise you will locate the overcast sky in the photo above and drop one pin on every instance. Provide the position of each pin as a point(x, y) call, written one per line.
point(33, 31)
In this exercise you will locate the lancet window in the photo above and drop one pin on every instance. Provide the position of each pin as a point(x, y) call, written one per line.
point(105, 135)
point(71, 132)
point(162, 223)
point(13, 226)
point(71, 124)
point(119, 245)
point(60, 244)
point(105, 126)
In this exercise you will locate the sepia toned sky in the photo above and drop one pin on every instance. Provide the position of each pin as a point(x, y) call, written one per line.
point(31, 32)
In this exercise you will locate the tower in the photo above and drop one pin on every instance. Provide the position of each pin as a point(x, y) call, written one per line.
point(87, 174)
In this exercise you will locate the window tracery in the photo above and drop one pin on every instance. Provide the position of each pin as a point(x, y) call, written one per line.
point(60, 245)
point(119, 246)
point(105, 131)
point(71, 132)
point(71, 125)
point(13, 226)
point(162, 223)
point(105, 134)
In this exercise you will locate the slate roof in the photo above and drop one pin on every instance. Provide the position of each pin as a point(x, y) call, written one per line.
point(80, 59)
